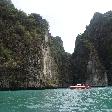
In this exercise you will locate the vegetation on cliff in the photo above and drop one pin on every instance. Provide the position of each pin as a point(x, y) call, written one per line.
point(96, 40)
point(17, 33)
point(22, 47)
point(31, 57)
point(21, 37)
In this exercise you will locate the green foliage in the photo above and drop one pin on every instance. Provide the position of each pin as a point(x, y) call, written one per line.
point(19, 34)
point(22, 38)
point(40, 22)
point(96, 38)
point(57, 49)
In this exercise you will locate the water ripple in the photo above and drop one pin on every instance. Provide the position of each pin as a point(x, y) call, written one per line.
point(57, 100)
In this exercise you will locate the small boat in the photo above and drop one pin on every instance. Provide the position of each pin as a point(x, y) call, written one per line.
point(80, 86)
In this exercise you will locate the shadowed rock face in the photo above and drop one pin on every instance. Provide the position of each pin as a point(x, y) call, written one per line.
point(92, 56)
point(96, 73)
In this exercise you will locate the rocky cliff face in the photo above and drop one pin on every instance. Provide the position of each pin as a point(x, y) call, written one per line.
point(92, 56)
point(63, 61)
point(29, 56)
point(96, 72)
point(50, 68)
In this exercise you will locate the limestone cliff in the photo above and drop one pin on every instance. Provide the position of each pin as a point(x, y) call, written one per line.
point(50, 68)
point(96, 72)
point(29, 56)
point(92, 56)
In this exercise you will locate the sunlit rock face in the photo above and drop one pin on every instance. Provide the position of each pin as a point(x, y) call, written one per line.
point(93, 52)
point(50, 68)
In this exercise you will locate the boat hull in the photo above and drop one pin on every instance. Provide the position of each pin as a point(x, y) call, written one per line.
point(79, 87)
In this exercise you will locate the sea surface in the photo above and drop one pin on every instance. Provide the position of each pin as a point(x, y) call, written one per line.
point(57, 100)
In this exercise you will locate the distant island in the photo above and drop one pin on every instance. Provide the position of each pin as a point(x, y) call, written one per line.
point(31, 58)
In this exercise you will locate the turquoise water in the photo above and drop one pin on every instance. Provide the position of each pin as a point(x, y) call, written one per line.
point(57, 100)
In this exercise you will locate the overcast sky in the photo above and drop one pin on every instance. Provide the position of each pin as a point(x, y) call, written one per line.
point(67, 18)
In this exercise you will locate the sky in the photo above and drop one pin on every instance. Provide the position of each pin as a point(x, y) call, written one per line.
point(67, 18)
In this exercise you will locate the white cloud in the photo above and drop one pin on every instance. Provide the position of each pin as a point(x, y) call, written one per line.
point(67, 18)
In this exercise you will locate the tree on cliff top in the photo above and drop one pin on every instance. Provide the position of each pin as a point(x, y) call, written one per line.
point(18, 32)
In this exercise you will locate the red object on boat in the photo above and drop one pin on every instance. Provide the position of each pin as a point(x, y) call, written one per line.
point(80, 86)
